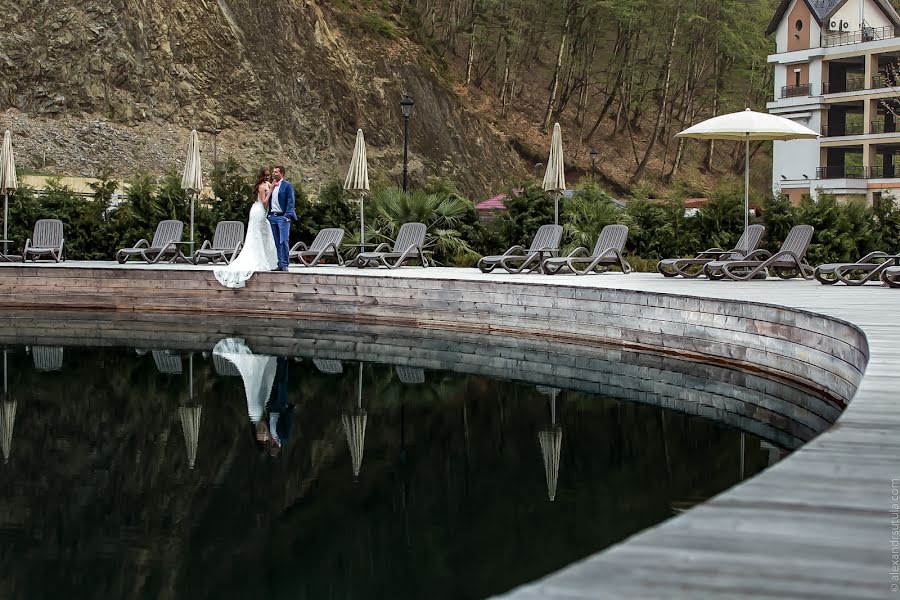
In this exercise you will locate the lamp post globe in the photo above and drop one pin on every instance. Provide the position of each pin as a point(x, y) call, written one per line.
point(406, 106)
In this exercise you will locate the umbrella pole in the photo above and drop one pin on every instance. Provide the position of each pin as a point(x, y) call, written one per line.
point(4, 375)
point(359, 396)
point(5, 220)
point(556, 208)
point(193, 197)
point(747, 183)
point(362, 221)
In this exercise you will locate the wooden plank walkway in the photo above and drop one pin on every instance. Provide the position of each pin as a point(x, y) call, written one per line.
point(816, 525)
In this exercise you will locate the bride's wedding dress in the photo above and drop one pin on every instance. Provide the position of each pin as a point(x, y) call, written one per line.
point(258, 253)
point(257, 371)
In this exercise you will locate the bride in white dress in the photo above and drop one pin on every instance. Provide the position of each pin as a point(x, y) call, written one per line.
point(258, 373)
point(258, 253)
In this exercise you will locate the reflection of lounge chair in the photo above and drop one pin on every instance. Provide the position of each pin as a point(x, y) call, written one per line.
point(167, 362)
point(868, 268)
point(47, 240)
point(517, 258)
point(409, 246)
point(787, 263)
point(47, 358)
point(326, 245)
point(693, 267)
point(167, 233)
point(225, 367)
point(607, 254)
point(891, 276)
point(329, 366)
point(410, 375)
point(225, 245)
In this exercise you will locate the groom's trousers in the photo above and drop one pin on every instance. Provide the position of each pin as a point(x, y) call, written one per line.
point(281, 230)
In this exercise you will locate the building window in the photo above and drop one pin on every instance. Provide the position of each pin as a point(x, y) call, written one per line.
point(799, 25)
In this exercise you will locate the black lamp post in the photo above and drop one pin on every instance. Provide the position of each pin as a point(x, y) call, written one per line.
point(593, 163)
point(406, 106)
point(215, 132)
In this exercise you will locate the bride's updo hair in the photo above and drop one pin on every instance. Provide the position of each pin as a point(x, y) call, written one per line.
point(261, 178)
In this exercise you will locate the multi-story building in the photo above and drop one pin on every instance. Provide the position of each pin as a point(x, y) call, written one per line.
point(837, 71)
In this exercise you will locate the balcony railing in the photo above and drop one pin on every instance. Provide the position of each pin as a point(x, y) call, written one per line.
point(846, 129)
point(840, 172)
point(854, 83)
point(879, 172)
point(795, 91)
point(866, 34)
point(879, 126)
point(882, 172)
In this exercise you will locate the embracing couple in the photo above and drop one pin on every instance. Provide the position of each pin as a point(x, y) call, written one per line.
point(266, 245)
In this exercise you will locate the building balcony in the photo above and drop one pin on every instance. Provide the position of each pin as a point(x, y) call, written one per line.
point(854, 83)
point(879, 126)
point(841, 172)
point(847, 129)
point(795, 91)
point(866, 34)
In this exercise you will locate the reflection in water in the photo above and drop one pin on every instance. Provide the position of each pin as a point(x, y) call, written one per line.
point(551, 443)
point(47, 358)
point(99, 500)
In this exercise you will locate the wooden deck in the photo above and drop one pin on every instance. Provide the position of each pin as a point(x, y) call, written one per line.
point(816, 525)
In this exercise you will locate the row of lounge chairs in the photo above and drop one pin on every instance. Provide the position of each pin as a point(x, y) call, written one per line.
point(229, 235)
point(745, 261)
point(541, 255)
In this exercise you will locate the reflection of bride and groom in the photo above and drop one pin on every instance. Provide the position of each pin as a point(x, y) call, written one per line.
point(266, 386)
point(266, 244)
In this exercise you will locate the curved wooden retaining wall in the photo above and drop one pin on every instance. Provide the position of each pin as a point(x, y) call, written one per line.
point(813, 351)
point(816, 525)
point(780, 413)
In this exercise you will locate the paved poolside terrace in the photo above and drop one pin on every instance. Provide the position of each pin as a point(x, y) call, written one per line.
point(816, 525)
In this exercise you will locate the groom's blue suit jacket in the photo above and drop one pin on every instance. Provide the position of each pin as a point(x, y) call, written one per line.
point(286, 199)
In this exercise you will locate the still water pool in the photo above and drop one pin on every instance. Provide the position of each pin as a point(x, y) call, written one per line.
point(220, 471)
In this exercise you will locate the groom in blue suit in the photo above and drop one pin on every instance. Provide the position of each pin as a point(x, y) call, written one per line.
point(281, 213)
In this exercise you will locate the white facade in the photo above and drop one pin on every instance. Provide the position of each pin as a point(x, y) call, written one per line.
point(837, 80)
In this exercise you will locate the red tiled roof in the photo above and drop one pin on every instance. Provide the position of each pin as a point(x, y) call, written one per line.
point(495, 203)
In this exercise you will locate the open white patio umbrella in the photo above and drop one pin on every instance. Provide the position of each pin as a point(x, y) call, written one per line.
point(555, 176)
point(358, 179)
point(192, 180)
point(745, 126)
point(8, 180)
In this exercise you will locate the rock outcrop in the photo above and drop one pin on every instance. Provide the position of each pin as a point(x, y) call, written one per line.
point(93, 85)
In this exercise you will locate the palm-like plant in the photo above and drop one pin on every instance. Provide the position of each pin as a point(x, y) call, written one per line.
point(587, 213)
point(390, 208)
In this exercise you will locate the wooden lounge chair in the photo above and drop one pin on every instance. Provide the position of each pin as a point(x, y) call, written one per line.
point(326, 245)
point(607, 254)
point(787, 263)
point(891, 276)
point(868, 268)
point(225, 246)
point(167, 233)
point(517, 258)
point(410, 240)
point(693, 267)
point(47, 240)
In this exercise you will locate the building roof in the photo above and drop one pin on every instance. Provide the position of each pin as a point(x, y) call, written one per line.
point(823, 9)
point(494, 203)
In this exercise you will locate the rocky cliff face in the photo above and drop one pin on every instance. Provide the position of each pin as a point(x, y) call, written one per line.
point(117, 84)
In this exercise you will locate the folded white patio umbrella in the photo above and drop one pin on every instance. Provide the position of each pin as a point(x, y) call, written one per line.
point(551, 443)
point(190, 426)
point(8, 181)
point(358, 179)
point(555, 175)
point(7, 422)
point(744, 126)
point(192, 179)
point(355, 428)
